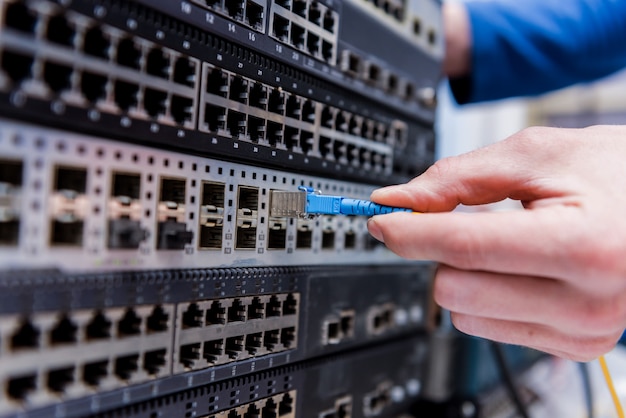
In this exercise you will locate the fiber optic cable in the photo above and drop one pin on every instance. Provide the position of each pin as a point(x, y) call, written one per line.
point(609, 383)
point(307, 203)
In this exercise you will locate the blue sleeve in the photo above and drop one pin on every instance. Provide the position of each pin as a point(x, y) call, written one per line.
point(528, 47)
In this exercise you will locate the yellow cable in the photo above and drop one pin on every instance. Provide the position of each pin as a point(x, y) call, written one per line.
point(609, 383)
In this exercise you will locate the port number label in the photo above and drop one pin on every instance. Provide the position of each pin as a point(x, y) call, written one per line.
point(231, 27)
point(251, 37)
point(210, 19)
point(279, 49)
point(295, 56)
point(185, 7)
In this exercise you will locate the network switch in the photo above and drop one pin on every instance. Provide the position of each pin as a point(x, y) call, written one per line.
point(387, 379)
point(115, 212)
point(142, 272)
point(59, 63)
point(216, 323)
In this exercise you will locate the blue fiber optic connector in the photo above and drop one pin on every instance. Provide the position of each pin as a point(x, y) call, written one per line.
point(309, 203)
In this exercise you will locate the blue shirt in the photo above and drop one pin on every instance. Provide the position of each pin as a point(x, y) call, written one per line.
point(528, 47)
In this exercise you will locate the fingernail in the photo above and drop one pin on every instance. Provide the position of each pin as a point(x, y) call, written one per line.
point(375, 230)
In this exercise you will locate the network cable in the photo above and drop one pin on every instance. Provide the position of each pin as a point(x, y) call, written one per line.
point(309, 203)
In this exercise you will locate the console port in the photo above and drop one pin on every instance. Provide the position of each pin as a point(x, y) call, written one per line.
point(332, 332)
point(285, 406)
point(254, 15)
point(254, 342)
point(96, 43)
point(298, 35)
point(238, 90)
point(288, 337)
point(17, 66)
point(26, 336)
point(154, 102)
point(304, 234)
point(64, 332)
point(277, 233)
point(192, 317)
point(181, 109)
point(125, 366)
point(128, 54)
point(290, 305)
point(293, 108)
point(237, 311)
point(236, 124)
point(213, 350)
point(273, 307)
point(216, 314)
point(99, 328)
point(256, 308)
point(280, 28)
point(214, 118)
point(234, 347)
point(94, 373)
point(373, 74)
point(300, 7)
point(258, 96)
point(154, 361)
point(60, 31)
point(270, 339)
point(189, 354)
point(158, 321)
point(185, 71)
point(18, 388)
point(392, 83)
point(247, 213)
point(57, 77)
point(11, 173)
point(126, 95)
point(158, 63)
point(211, 215)
point(276, 102)
point(351, 63)
point(58, 379)
point(129, 324)
point(18, 16)
point(346, 323)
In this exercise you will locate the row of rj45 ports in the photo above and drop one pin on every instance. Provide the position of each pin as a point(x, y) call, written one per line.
point(112, 347)
point(282, 405)
point(69, 209)
point(124, 74)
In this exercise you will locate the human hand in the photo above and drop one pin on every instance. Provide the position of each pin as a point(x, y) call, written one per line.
point(456, 24)
point(551, 277)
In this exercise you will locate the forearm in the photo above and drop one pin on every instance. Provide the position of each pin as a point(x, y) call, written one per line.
point(533, 46)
